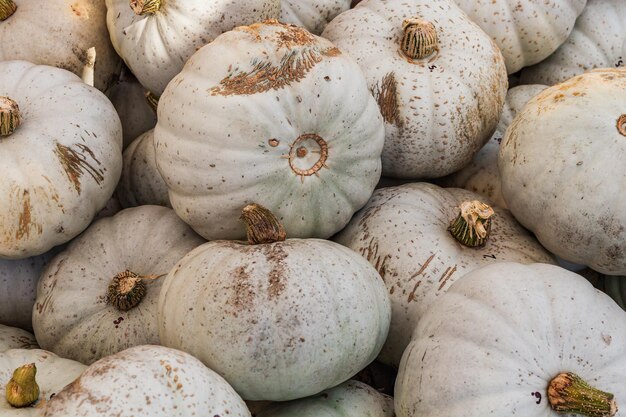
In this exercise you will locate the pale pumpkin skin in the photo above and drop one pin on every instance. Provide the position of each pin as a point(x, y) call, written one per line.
point(61, 165)
point(498, 336)
point(440, 110)
point(313, 15)
point(279, 135)
point(141, 182)
point(147, 381)
point(482, 175)
point(597, 41)
point(528, 31)
point(403, 233)
point(350, 399)
point(59, 33)
point(550, 160)
point(53, 373)
point(278, 321)
point(15, 338)
point(156, 46)
point(71, 316)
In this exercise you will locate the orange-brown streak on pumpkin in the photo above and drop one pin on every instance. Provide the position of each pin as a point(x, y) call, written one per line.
point(75, 164)
point(386, 95)
point(421, 270)
point(25, 222)
point(446, 276)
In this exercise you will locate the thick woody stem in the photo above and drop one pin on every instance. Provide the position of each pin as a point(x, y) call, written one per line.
point(568, 393)
point(127, 289)
point(473, 224)
point(10, 116)
point(22, 390)
point(419, 40)
point(7, 8)
point(261, 225)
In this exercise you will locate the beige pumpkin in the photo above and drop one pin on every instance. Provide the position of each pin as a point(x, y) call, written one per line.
point(14, 338)
point(60, 33)
point(99, 295)
point(439, 80)
point(404, 233)
point(313, 15)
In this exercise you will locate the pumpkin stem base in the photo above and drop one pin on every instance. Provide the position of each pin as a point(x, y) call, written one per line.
point(22, 390)
point(261, 225)
point(143, 7)
point(126, 291)
point(473, 224)
point(568, 393)
point(7, 8)
point(10, 116)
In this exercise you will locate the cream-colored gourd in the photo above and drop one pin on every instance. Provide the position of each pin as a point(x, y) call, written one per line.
point(51, 373)
point(439, 80)
point(597, 41)
point(156, 37)
point(99, 296)
point(61, 155)
point(482, 175)
point(59, 33)
point(528, 31)
point(147, 381)
point(563, 172)
point(404, 233)
point(141, 182)
point(313, 15)
point(501, 340)
point(350, 399)
point(280, 320)
point(15, 338)
point(260, 115)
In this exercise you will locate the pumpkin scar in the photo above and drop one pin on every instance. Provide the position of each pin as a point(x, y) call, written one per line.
point(386, 95)
point(417, 284)
point(446, 275)
point(25, 222)
point(75, 164)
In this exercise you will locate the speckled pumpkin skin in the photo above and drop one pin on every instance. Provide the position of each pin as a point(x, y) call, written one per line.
point(501, 334)
point(437, 114)
point(597, 41)
point(61, 165)
point(563, 172)
point(313, 15)
point(71, 316)
point(403, 233)
point(278, 321)
point(527, 31)
point(156, 46)
point(15, 338)
point(267, 103)
point(482, 175)
point(147, 381)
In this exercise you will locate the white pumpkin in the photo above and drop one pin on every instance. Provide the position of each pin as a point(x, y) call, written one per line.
point(156, 37)
point(147, 381)
point(313, 15)
point(278, 320)
point(141, 182)
point(267, 103)
point(563, 173)
point(528, 31)
point(597, 41)
point(14, 338)
point(439, 80)
point(350, 399)
point(52, 373)
point(62, 163)
point(499, 341)
point(404, 233)
point(59, 33)
point(482, 175)
point(88, 305)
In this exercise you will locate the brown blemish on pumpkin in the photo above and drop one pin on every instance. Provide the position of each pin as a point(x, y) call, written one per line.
point(419, 272)
point(446, 276)
point(275, 255)
point(75, 163)
point(294, 36)
point(25, 222)
point(243, 294)
point(379, 262)
point(621, 125)
point(386, 95)
point(80, 11)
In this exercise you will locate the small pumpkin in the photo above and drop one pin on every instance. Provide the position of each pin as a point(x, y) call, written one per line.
point(279, 319)
point(313, 15)
point(14, 338)
point(511, 339)
point(156, 381)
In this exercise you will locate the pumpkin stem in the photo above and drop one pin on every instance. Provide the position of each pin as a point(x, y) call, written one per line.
point(473, 224)
point(127, 289)
point(419, 40)
point(153, 100)
point(89, 68)
point(142, 7)
point(568, 393)
point(10, 116)
point(621, 125)
point(261, 225)
point(7, 8)
point(22, 390)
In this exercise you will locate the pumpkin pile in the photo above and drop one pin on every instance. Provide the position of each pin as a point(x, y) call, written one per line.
point(282, 208)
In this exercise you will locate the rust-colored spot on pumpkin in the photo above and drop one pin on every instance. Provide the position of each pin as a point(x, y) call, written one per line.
point(446, 276)
point(621, 125)
point(294, 36)
point(76, 162)
point(243, 294)
point(273, 142)
point(80, 10)
point(275, 255)
point(25, 221)
point(386, 95)
point(378, 261)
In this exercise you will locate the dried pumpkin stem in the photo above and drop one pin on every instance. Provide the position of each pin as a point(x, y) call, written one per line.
point(127, 289)
point(142, 7)
point(22, 390)
point(568, 393)
point(10, 116)
point(153, 100)
point(419, 39)
point(473, 224)
point(7, 8)
point(261, 225)
point(621, 125)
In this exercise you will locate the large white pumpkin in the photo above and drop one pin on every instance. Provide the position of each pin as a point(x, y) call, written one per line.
point(61, 165)
point(563, 171)
point(495, 342)
point(439, 81)
point(260, 115)
point(313, 15)
point(156, 37)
